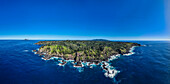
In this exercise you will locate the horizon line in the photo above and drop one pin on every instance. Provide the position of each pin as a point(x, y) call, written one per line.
point(65, 37)
point(89, 39)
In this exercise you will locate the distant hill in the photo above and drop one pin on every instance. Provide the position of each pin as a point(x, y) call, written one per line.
point(100, 40)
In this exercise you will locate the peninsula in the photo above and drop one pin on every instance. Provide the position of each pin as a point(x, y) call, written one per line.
point(94, 51)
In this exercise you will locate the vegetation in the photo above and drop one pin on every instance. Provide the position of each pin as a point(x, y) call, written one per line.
point(84, 50)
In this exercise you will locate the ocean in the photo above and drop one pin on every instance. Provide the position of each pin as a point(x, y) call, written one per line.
point(149, 64)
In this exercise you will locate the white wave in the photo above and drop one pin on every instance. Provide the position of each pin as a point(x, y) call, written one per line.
point(25, 50)
point(44, 58)
point(74, 65)
point(52, 58)
point(91, 67)
point(130, 52)
point(69, 60)
point(60, 61)
point(34, 52)
point(85, 63)
point(110, 71)
point(113, 57)
point(143, 45)
point(93, 64)
point(79, 68)
point(60, 64)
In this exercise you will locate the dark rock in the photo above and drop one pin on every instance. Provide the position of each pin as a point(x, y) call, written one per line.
point(78, 64)
point(104, 67)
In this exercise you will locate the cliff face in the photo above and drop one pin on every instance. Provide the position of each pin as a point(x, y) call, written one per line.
point(83, 50)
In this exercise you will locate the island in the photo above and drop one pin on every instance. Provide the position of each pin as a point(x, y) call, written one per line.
point(94, 51)
point(25, 39)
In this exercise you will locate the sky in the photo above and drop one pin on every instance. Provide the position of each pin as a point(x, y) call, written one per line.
point(85, 19)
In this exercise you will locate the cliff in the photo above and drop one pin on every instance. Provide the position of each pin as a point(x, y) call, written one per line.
point(91, 51)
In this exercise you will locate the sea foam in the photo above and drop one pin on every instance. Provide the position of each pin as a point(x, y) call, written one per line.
point(110, 71)
point(130, 52)
point(25, 50)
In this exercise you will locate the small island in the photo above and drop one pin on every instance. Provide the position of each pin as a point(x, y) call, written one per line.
point(25, 39)
point(94, 51)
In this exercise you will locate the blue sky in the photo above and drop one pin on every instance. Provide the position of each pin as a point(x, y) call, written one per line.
point(83, 19)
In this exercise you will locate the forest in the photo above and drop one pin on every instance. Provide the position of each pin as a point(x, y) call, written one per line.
point(84, 50)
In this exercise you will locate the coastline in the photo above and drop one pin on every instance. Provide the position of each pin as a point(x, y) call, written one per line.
point(110, 71)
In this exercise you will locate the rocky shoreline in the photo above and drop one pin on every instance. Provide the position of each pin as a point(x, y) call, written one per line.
point(104, 64)
point(78, 63)
point(85, 53)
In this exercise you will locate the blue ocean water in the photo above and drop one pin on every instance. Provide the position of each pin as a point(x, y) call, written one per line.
point(19, 65)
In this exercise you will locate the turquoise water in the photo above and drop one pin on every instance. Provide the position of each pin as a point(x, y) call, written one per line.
point(18, 65)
